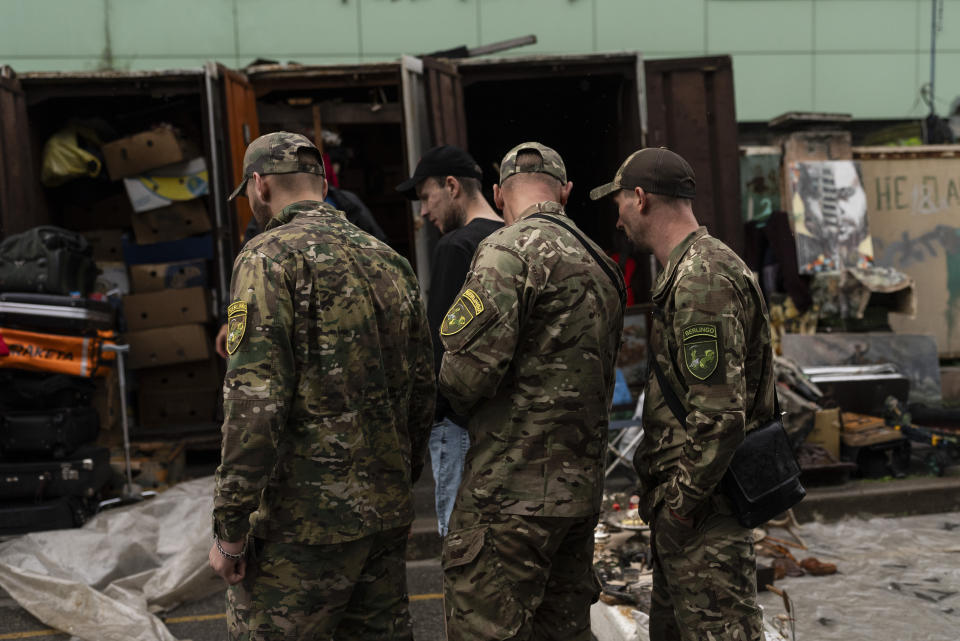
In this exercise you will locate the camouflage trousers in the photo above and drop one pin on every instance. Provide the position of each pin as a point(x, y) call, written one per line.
point(518, 577)
point(704, 578)
point(353, 590)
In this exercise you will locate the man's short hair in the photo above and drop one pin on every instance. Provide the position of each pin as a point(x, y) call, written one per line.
point(671, 202)
point(528, 161)
point(471, 186)
point(296, 181)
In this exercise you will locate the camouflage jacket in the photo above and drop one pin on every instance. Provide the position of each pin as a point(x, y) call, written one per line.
point(531, 345)
point(329, 391)
point(711, 337)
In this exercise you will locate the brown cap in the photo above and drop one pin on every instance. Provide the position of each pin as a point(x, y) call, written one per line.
point(655, 170)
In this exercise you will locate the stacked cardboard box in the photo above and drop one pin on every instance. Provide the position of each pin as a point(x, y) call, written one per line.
point(167, 303)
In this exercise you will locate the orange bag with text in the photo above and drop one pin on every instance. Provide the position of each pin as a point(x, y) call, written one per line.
point(58, 354)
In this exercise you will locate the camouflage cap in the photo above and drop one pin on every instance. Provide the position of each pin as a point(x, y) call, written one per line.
point(656, 170)
point(278, 153)
point(552, 163)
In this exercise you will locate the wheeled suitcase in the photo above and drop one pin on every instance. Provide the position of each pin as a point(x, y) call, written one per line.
point(82, 474)
point(55, 433)
point(22, 390)
point(58, 314)
point(57, 514)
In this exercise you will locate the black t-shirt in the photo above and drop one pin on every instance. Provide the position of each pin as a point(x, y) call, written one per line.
point(451, 262)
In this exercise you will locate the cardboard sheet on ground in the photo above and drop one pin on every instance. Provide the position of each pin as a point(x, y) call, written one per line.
point(106, 581)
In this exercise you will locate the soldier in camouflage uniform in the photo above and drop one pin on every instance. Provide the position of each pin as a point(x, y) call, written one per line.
point(328, 404)
point(711, 338)
point(531, 344)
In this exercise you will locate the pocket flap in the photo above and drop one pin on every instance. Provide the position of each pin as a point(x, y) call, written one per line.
point(461, 548)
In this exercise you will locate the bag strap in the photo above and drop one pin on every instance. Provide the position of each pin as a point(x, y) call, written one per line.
point(670, 396)
point(617, 282)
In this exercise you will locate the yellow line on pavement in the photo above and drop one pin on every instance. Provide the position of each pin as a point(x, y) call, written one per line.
point(195, 617)
point(185, 619)
point(30, 633)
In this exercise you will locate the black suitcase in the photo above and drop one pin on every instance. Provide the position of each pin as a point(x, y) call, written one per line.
point(56, 314)
point(23, 390)
point(58, 514)
point(82, 474)
point(47, 260)
point(53, 433)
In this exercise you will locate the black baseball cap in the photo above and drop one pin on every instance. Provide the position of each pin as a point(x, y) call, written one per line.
point(445, 160)
point(656, 170)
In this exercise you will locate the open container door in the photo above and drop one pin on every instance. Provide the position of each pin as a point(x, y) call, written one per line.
point(447, 116)
point(242, 127)
point(416, 134)
point(691, 110)
point(19, 204)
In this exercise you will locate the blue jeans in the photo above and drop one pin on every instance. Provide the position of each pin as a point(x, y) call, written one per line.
point(448, 450)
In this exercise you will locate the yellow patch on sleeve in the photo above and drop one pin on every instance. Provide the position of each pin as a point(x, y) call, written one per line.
point(236, 325)
point(467, 307)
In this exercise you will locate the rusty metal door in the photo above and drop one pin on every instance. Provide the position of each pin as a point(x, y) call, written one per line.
point(447, 116)
point(691, 110)
point(242, 127)
point(19, 204)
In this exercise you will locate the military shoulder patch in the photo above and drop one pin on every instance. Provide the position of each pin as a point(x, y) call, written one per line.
point(467, 307)
point(702, 352)
point(236, 325)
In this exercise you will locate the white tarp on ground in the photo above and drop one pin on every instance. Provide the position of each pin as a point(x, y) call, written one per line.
point(898, 580)
point(103, 582)
point(623, 623)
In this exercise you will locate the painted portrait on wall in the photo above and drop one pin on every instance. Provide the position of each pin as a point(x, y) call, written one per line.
point(829, 210)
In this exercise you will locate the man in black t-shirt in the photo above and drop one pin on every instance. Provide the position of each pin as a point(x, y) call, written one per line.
point(447, 184)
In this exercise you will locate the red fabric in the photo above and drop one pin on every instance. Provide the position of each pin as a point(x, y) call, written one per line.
point(3, 348)
point(628, 271)
point(328, 170)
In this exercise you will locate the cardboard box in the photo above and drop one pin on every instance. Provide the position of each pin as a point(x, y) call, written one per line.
point(153, 277)
point(826, 431)
point(207, 375)
point(167, 185)
point(113, 212)
point(950, 384)
point(140, 152)
point(178, 221)
point(167, 308)
point(192, 248)
point(107, 244)
point(113, 276)
point(168, 345)
point(160, 408)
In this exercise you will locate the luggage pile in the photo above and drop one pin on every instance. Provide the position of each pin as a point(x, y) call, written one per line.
point(52, 472)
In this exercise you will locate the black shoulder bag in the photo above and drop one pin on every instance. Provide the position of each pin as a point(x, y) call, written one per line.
point(763, 479)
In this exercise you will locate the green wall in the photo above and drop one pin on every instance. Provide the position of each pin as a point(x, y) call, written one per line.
point(865, 57)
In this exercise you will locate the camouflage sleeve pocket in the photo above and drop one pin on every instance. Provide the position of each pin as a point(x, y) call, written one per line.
point(461, 548)
point(471, 313)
